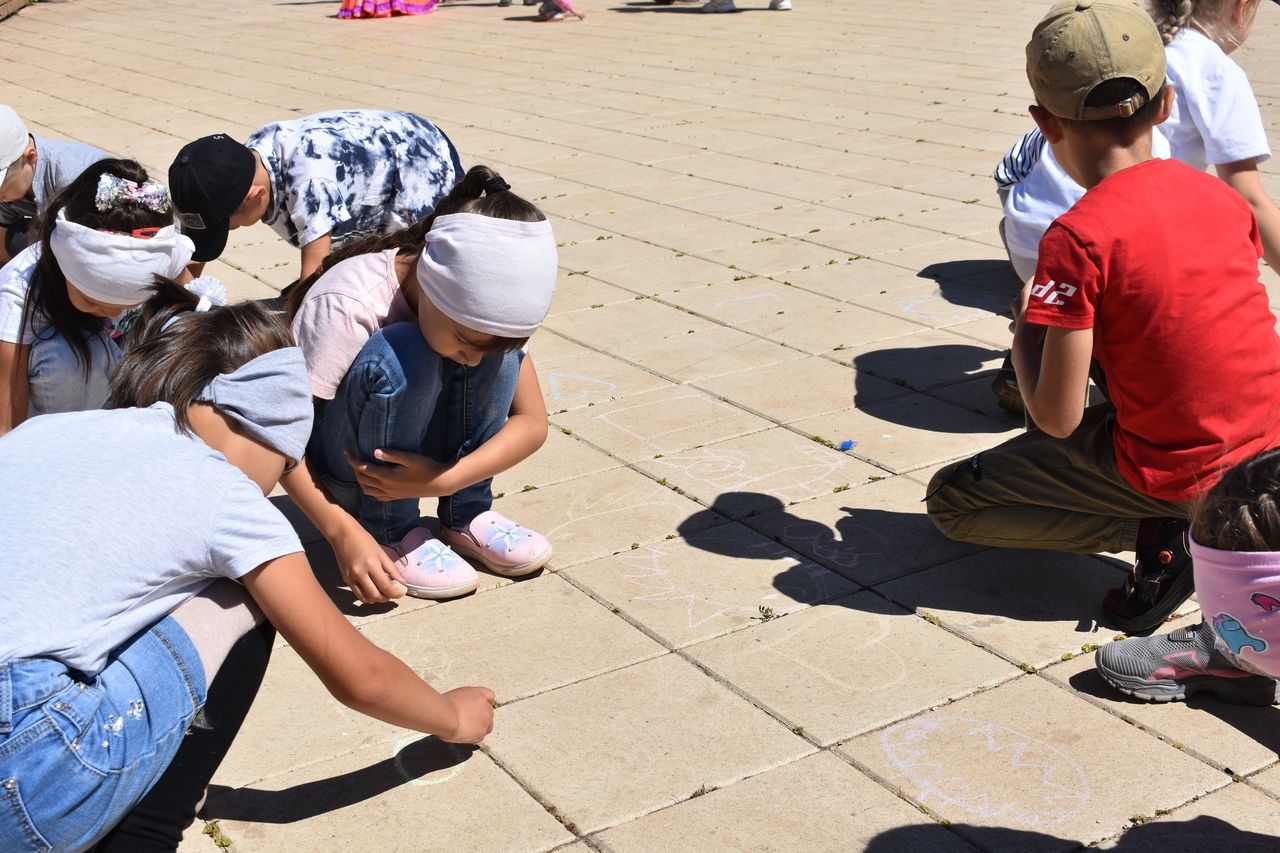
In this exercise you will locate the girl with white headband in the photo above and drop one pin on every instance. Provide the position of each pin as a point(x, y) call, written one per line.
point(1234, 652)
point(105, 238)
point(134, 641)
point(414, 342)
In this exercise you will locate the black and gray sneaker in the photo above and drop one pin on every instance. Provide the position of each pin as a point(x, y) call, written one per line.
point(1180, 664)
point(1159, 582)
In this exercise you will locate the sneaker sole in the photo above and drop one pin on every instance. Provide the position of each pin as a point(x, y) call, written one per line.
point(504, 571)
point(1179, 591)
point(435, 593)
point(1166, 690)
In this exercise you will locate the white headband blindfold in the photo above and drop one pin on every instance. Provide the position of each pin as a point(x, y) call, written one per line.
point(117, 268)
point(494, 276)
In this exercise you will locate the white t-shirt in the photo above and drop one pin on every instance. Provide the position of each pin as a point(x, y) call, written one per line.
point(15, 282)
point(1215, 116)
point(343, 309)
point(1043, 195)
point(134, 519)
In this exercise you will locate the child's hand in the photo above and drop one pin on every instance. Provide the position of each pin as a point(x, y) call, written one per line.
point(366, 568)
point(398, 474)
point(474, 706)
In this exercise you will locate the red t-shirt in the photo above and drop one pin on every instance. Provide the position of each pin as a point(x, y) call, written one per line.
point(1161, 261)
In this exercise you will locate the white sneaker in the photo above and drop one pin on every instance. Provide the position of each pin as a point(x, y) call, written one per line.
point(780, 5)
point(720, 6)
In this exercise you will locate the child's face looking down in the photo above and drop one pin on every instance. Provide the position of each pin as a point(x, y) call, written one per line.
point(18, 178)
point(452, 340)
point(93, 307)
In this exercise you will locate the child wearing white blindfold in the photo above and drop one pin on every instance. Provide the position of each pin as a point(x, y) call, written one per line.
point(414, 343)
point(105, 238)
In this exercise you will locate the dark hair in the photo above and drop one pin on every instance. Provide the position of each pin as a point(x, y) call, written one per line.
point(467, 196)
point(1116, 91)
point(173, 362)
point(47, 299)
point(1242, 512)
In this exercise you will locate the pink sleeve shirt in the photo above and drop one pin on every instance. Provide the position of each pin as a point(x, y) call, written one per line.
point(342, 310)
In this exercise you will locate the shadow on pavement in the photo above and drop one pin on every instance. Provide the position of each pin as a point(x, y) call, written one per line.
point(1200, 835)
point(1262, 724)
point(311, 799)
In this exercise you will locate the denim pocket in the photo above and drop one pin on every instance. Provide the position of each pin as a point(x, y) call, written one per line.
point(17, 832)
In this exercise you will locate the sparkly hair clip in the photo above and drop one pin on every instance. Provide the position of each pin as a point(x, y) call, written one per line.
point(113, 189)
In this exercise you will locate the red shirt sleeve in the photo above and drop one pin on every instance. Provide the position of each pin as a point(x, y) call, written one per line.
point(1065, 290)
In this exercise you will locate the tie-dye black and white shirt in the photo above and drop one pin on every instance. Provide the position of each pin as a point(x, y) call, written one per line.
point(351, 171)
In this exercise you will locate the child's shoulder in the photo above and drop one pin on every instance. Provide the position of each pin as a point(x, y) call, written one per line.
point(357, 277)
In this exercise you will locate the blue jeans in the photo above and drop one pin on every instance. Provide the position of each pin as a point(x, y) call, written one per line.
point(399, 394)
point(76, 754)
point(56, 378)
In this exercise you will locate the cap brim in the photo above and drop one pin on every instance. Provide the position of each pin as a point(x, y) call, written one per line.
point(209, 241)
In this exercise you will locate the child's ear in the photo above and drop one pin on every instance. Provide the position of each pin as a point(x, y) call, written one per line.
point(1167, 96)
point(30, 155)
point(1048, 123)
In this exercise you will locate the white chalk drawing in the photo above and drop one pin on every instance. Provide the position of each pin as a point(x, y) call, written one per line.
point(811, 472)
point(885, 669)
point(856, 541)
point(772, 297)
point(584, 512)
point(648, 570)
point(935, 308)
point(968, 768)
point(560, 383)
point(698, 410)
point(439, 777)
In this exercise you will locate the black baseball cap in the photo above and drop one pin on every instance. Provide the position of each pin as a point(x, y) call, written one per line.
point(207, 181)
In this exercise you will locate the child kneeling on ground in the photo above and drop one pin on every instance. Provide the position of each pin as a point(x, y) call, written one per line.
point(1235, 652)
point(1153, 275)
point(122, 626)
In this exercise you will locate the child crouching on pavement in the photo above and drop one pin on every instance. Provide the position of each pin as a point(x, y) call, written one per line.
point(1180, 328)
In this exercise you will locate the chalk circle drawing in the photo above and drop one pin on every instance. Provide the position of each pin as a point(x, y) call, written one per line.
point(964, 768)
point(437, 777)
point(648, 569)
point(813, 472)
point(560, 384)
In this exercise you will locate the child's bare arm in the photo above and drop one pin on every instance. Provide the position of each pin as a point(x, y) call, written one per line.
point(1245, 179)
point(359, 674)
point(314, 253)
point(410, 475)
point(13, 385)
point(364, 566)
point(5, 257)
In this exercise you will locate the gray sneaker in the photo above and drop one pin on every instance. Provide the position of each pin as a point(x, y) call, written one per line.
point(1178, 665)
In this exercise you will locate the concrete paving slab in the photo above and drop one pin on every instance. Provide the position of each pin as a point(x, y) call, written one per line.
point(707, 582)
point(1033, 761)
point(818, 803)
point(645, 750)
point(849, 666)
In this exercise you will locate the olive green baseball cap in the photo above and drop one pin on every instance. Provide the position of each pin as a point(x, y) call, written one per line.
point(1082, 43)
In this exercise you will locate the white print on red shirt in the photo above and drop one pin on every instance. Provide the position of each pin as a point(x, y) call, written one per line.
point(1051, 296)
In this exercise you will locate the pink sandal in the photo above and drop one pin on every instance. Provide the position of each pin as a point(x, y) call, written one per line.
point(430, 568)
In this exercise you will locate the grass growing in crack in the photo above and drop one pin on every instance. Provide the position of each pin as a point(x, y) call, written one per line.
point(220, 839)
point(766, 614)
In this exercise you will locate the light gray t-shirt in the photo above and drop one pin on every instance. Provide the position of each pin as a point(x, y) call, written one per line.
point(111, 519)
point(58, 163)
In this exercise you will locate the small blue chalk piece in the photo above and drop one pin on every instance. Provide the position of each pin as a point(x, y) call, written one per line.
point(847, 444)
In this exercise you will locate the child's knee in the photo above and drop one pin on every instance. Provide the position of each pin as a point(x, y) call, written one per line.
point(940, 499)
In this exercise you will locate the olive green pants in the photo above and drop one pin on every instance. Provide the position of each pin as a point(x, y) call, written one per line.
point(1037, 491)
